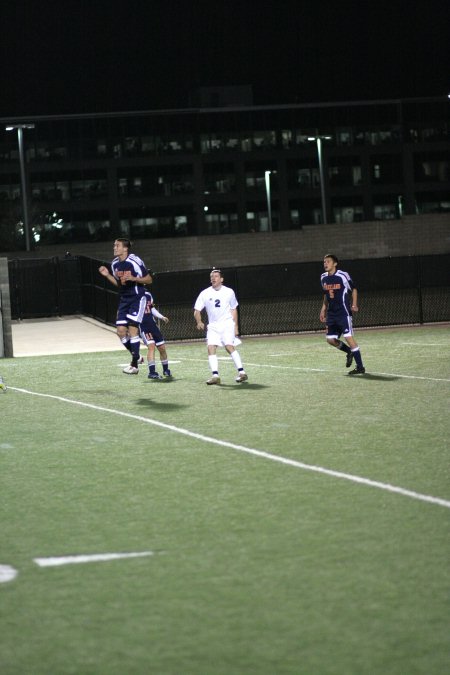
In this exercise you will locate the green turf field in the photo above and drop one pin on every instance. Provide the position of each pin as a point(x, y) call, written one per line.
point(297, 523)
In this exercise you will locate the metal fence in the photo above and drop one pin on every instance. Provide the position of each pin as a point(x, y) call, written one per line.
point(272, 298)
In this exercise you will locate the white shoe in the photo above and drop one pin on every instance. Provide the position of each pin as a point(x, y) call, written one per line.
point(3, 386)
point(130, 370)
point(242, 377)
point(215, 379)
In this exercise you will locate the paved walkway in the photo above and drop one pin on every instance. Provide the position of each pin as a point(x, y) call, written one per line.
point(62, 335)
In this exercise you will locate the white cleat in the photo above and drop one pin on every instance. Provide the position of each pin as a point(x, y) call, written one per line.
point(130, 370)
point(3, 386)
point(215, 379)
point(242, 377)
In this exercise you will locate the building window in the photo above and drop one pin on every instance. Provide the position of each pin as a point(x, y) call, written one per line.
point(345, 172)
point(387, 169)
point(348, 214)
point(220, 223)
point(303, 177)
point(386, 207)
point(432, 202)
point(432, 168)
point(264, 140)
point(258, 220)
point(219, 178)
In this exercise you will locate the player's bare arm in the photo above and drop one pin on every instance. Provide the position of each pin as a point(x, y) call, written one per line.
point(234, 314)
point(198, 320)
point(355, 307)
point(104, 271)
point(148, 279)
point(323, 311)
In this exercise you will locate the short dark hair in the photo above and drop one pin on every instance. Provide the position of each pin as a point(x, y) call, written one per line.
point(216, 269)
point(126, 242)
point(332, 256)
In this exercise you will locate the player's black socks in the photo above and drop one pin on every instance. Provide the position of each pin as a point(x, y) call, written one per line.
point(344, 348)
point(357, 356)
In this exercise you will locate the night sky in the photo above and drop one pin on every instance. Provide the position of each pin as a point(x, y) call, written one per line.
point(70, 56)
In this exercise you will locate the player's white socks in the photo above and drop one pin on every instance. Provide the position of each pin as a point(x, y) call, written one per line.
point(213, 363)
point(237, 360)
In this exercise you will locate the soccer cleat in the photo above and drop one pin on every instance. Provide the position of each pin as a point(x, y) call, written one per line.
point(154, 376)
point(130, 370)
point(349, 359)
point(215, 379)
point(167, 373)
point(3, 386)
point(242, 377)
point(357, 371)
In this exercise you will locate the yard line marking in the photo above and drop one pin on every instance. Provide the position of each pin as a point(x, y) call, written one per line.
point(252, 451)
point(329, 370)
point(7, 573)
point(426, 344)
point(95, 557)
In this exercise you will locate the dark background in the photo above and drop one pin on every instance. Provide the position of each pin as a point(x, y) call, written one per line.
point(75, 56)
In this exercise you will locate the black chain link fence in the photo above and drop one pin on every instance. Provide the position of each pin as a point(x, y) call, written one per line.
point(272, 298)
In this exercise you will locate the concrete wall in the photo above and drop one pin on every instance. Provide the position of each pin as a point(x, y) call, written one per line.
point(413, 235)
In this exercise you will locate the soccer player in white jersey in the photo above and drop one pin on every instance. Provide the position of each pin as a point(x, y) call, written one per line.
point(220, 304)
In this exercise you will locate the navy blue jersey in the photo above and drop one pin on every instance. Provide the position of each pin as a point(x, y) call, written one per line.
point(338, 289)
point(124, 270)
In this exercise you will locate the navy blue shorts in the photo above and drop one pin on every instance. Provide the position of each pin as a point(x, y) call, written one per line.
point(131, 309)
point(150, 332)
point(339, 325)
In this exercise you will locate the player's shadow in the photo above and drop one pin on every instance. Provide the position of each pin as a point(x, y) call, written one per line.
point(159, 405)
point(164, 380)
point(244, 386)
point(372, 376)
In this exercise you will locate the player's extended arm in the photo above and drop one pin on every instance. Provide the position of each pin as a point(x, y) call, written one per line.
point(148, 279)
point(234, 314)
point(159, 315)
point(104, 271)
point(323, 311)
point(198, 319)
point(355, 307)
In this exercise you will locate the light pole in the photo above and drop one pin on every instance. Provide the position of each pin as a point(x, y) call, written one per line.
point(23, 181)
point(318, 140)
point(269, 203)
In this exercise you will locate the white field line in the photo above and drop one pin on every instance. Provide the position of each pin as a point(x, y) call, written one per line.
point(95, 557)
point(251, 451)
point(276, 366)
point(427, 344)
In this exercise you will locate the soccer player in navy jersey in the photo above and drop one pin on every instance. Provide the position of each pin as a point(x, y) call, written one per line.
point(340, 299)
point(130, 275)
point(151, 337)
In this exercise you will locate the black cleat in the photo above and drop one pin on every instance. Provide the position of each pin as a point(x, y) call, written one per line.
point(349, 359)
point(357, 371)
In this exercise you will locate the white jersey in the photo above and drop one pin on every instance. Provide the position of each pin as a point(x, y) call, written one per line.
point(218, 303)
